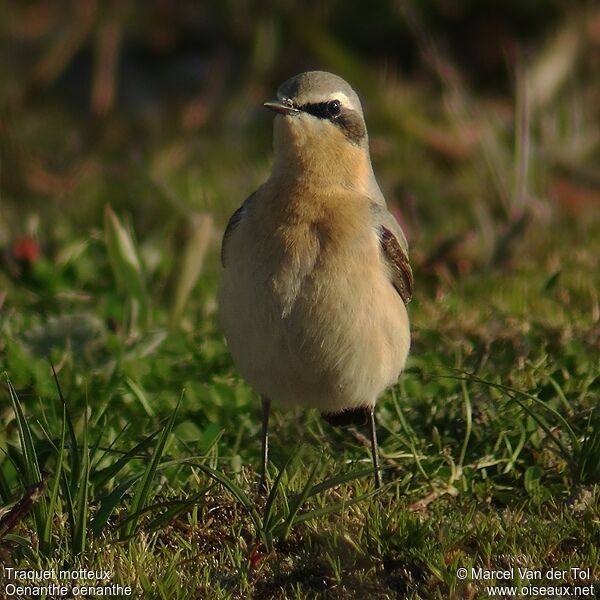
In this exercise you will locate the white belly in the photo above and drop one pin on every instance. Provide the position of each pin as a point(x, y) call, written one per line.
point(326, 334)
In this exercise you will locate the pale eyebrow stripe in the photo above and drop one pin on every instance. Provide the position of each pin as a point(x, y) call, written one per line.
point(342, 98)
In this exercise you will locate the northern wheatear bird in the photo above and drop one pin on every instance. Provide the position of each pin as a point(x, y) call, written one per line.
point(312, 298)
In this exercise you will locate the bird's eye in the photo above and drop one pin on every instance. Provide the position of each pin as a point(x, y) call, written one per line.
point(334, 108)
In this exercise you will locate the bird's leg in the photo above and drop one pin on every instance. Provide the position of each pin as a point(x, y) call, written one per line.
point(266, 405)
point(374, 448)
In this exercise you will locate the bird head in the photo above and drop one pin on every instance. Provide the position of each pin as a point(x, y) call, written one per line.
point(320, 132)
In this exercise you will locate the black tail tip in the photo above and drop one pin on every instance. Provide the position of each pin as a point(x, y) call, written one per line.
point(352, 416)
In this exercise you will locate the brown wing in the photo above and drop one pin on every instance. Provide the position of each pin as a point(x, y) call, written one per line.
point(234, 221)
point(402, 277)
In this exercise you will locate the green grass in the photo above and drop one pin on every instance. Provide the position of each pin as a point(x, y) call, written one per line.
point(151, 445)
point(128, 441)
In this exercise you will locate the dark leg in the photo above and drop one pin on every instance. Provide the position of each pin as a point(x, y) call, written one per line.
point(375, 449)
point(266, 405)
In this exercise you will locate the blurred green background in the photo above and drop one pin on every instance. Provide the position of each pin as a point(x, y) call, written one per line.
point(476, 109)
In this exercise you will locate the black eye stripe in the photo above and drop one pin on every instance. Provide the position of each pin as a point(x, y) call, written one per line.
point(318, 109)
point(347, 120)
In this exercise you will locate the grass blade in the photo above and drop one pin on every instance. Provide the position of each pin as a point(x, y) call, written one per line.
point(513, 394)
point(109, 503)
point(32, 474)
point(588, 464)
point(75, 458)
point(240, 496)
point(336, 507)
point(143, 490)
point(339, 479)
point(469, 424)
point(125, 261)
point(82, 497)
point(269, 520)
point(102, 476)
point(60, 452)
point(140, 395)
point(174, 507)
point(191, 262)
point(5, 494)
point(298, 501)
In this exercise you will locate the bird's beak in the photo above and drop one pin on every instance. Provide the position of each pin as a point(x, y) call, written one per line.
point(279, 107)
